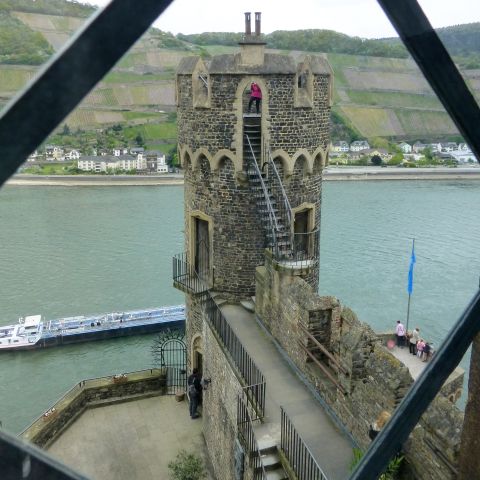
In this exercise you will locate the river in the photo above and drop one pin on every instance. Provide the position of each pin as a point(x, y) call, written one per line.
point(77, 250)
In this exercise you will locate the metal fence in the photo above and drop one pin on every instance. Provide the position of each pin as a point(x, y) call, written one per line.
point(297, 453)
point(185, 277)
point(247, 368)
point(249, 441)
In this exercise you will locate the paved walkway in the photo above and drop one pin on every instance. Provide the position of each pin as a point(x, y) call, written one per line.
point(330, 447)
point(130, 441)
point(416, 366)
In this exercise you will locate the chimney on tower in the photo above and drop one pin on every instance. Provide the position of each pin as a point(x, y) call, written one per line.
point(252, 48)
point(248, 28)
point(258, 16)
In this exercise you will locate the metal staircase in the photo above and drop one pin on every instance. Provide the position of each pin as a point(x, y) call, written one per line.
point(271, 200)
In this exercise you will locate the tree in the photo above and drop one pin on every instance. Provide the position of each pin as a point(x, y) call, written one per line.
point(172, 157)
point(139, 140)
point(397, 159)
point(66, 130)
point(376, 160)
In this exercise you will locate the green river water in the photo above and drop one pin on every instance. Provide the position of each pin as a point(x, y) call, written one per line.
point(78, 250)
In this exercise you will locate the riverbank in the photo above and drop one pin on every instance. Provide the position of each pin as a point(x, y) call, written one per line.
point(329, 174)
point(395, 173)
point(96, 180)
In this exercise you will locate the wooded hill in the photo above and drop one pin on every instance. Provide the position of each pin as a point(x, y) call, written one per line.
point(374, 96)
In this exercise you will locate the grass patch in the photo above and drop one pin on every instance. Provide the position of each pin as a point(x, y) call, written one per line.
point(135, 115)
point(131, 77)
point(394, 99)
point(153, 131)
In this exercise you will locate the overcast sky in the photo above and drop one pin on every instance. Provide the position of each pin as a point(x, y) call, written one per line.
point(363, 18)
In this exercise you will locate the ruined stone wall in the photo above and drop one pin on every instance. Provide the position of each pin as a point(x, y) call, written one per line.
point(219, 407)
point(369, 378)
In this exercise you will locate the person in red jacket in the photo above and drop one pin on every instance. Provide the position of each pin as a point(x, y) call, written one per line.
point(255, 96)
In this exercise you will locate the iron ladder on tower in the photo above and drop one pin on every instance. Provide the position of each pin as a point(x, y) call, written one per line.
point(270, 197)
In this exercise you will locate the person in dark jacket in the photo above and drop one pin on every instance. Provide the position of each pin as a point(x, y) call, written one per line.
point(194, 390)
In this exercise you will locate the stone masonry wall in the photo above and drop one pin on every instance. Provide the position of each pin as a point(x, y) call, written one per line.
point(374, 380)
point(92, 393)
point(291, 128)
point(219, 407)
point(238, 235)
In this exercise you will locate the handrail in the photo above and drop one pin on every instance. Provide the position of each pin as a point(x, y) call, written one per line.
point(274, 225)
point(299, 456)
point(240, 358)
point(288, 207)
point(324, 350)
point(323, 368)
point(247, 434)
point(185, 274)
point(256, 395)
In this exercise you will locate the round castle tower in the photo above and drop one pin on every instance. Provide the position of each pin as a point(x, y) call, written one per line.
point(235, 204)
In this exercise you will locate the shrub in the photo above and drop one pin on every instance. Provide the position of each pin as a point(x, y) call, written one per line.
point(187, 466)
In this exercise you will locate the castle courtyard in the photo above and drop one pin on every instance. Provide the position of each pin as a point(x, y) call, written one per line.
point(130, 440)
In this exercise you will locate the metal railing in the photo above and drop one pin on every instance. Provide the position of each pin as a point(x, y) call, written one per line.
point(185, 277)
point(255, 396)
point(297, 453)
point(246, 367)
point(278, 190)
point(273, 225)
point(247, 438)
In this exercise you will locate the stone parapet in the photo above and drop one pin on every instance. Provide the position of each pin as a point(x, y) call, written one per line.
point(93, 393)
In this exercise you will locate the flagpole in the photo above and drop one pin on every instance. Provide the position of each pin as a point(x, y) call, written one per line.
point(410, 282)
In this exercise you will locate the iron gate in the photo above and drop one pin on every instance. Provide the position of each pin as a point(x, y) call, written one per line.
point(170, 352)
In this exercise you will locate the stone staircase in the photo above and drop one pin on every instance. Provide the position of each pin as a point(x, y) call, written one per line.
point(277, 232)
point(268, 451)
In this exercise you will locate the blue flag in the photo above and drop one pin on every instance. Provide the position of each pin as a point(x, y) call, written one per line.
point(410, 271)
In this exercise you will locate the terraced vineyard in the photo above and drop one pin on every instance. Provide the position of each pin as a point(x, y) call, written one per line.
point(378, 96)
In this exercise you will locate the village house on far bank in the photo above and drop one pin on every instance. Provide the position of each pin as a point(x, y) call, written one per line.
point(143, 162)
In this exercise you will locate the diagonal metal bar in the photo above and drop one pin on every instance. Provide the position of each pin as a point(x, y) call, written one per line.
point(68, 77)
point(19, 459)
point(437, 66)
point(421, 394)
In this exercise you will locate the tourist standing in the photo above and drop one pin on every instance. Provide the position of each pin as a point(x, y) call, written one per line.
point(420, 346)
point(426, 352)
point(400, 334)
point(414, 338)
point(255, 96)
point(194, 389)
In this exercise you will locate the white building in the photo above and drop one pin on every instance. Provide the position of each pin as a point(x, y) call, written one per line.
point(54, 153)
point(405, 147)
point(340, 146)
point(120, 151)
point(359, 145)
point(72, 155)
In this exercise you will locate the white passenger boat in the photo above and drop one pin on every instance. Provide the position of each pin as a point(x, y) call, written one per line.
point(25, 334)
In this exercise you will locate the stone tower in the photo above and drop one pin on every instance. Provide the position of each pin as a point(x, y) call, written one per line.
point(236, 205)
